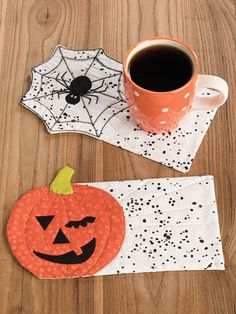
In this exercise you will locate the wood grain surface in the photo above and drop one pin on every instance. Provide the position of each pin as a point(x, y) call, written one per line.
point(30, 157)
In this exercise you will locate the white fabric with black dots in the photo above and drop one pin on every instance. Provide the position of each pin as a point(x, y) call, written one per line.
point(99, 109)
point(171, 224)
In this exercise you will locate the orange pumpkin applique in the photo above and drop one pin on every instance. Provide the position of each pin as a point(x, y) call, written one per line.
point(66, 230)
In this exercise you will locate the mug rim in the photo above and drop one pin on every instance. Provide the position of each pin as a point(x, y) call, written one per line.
point(191, 51)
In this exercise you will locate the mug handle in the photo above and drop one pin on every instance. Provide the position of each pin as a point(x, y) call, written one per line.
point(211, 92)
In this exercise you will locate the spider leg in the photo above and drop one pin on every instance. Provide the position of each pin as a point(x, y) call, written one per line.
point(98, 91)
point(59, 80)
point(58, 92)
point(95, 97)
point(103, 90)
point(88, 99)
point(64, 81)
point(89, 96)
point(101, 85)
point(110, 76)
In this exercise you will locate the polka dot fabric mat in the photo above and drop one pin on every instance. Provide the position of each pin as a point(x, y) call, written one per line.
point(171, 224)
point(82, 91)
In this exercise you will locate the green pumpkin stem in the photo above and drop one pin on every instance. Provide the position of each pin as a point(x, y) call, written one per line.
point(62, 183)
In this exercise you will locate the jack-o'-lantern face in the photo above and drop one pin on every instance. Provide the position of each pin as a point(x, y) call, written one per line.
point(69, 232)
point(58, 236)
point(70, 257)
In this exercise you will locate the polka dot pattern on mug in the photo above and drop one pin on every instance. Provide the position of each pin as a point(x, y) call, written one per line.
point(165, 110)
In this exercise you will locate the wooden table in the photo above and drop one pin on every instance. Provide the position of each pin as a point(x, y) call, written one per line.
point(30, 157)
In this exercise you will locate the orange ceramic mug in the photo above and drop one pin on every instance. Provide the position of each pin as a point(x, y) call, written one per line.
point(162, 111)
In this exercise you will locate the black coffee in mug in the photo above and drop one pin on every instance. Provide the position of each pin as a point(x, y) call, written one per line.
point(161, 68)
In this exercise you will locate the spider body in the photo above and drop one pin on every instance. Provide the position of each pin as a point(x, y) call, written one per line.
point(81, 86)
point(78, 87)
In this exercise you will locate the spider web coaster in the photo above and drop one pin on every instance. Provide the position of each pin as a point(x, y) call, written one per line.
point(82, 91)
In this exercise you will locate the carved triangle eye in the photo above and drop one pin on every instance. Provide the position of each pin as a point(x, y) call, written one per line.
point(44, 221)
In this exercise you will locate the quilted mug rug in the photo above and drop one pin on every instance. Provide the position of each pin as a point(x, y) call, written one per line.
point(105, 228)
point(82, 91)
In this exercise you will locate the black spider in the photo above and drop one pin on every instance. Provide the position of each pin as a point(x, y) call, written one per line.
point(80, 86)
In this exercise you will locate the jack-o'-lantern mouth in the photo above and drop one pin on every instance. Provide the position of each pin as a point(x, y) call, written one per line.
point(70, 257)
